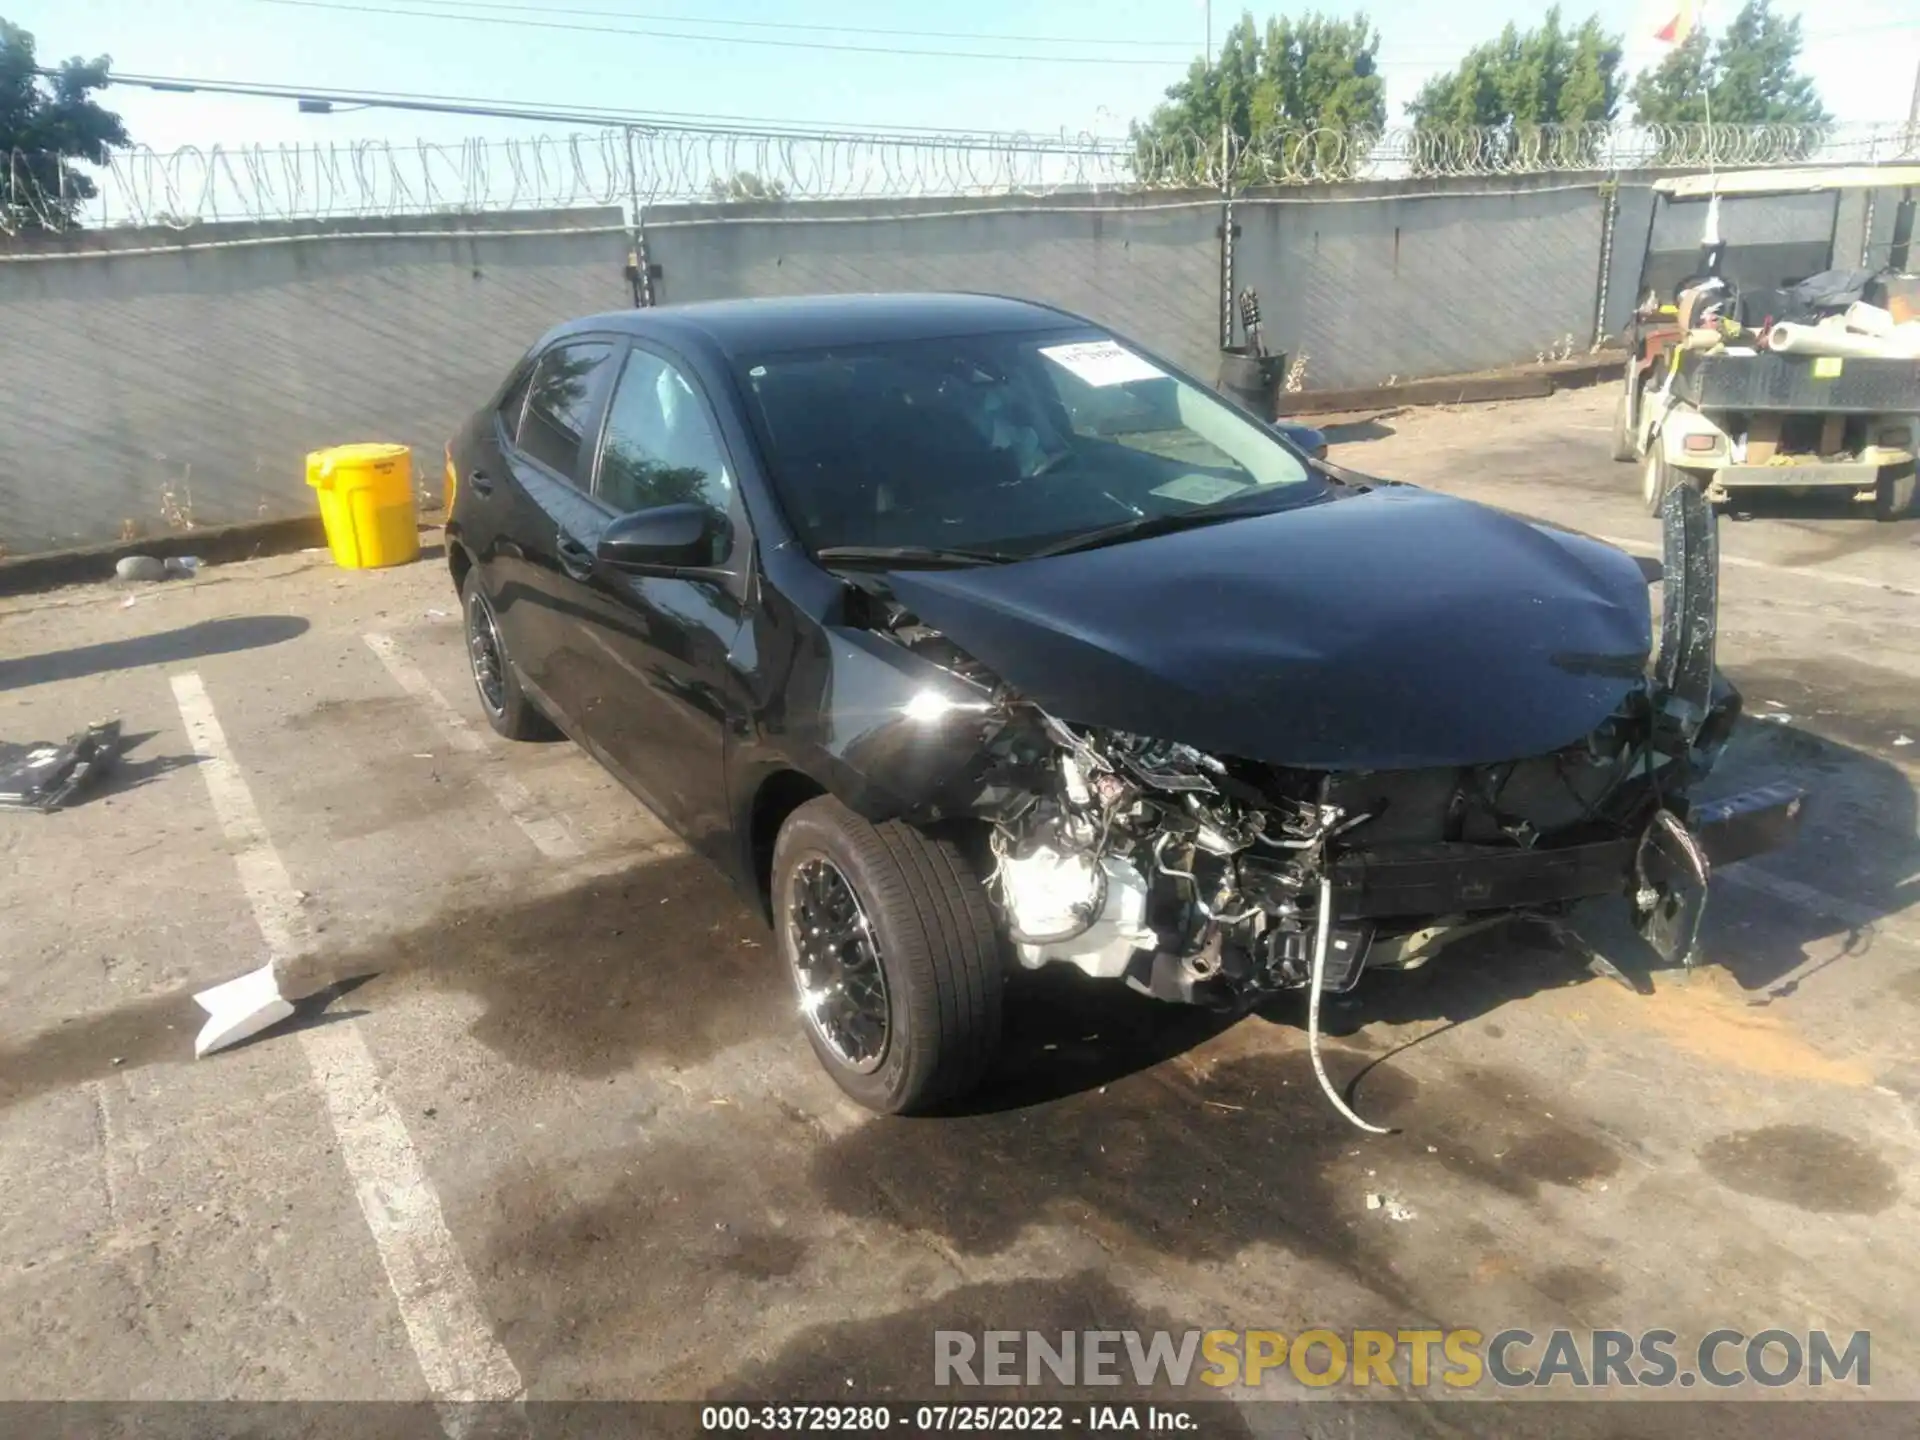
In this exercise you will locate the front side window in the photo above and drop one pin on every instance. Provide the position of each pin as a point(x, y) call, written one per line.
point(660, 446)
point(1007, 442)
point(560, 404)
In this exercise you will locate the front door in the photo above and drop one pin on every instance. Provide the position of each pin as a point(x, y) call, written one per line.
point(658, 647)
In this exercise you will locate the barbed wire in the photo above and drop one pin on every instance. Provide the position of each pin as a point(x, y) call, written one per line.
point(637, 167)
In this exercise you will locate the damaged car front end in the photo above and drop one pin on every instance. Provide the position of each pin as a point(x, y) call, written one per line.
point(968, 636)
point(1234, 853)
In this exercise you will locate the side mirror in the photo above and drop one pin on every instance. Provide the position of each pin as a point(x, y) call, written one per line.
point(1305, 437)
point(668, 537)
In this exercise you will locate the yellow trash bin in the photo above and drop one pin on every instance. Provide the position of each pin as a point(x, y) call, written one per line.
point(367, 504)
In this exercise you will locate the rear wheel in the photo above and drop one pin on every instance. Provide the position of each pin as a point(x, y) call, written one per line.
point(1893, 499)
point(894, 954)
point(507, 707)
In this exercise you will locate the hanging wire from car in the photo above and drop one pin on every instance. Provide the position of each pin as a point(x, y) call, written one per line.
point(1330, 825)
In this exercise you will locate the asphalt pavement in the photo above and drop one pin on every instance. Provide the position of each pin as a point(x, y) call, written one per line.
point(550, 1128)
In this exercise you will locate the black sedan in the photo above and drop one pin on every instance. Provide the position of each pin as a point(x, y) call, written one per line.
point(967, 636)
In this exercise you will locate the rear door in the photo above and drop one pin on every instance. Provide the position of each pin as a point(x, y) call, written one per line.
point(550, 513)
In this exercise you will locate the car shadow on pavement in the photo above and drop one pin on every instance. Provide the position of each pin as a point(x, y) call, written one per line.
point(166, 647)
point(1066, 1034)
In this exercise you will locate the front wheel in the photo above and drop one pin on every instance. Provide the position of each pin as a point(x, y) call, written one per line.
point(1626, 419)
point(894, 953)
point(1656, 477)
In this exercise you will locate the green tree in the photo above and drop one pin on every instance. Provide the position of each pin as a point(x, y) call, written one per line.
point(1751, 74)
point(45, 126)
point(744, 185)
point(1551, 75)
point(1269, 89)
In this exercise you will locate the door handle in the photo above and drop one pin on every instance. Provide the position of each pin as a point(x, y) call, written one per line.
point(575, 558)
point(481, 482)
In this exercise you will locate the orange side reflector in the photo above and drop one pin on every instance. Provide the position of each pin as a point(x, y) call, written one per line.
point(453, 480)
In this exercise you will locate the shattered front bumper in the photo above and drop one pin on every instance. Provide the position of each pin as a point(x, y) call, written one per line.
point(1370, 888)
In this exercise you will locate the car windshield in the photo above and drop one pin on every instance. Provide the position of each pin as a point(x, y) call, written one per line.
point(1002, 443)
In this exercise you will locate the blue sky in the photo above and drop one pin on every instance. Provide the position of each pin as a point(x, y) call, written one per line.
point(1863, 53)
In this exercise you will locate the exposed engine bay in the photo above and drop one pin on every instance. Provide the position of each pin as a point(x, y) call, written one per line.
point(1211, 879)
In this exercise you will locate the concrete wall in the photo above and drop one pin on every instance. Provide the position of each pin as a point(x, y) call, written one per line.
point(1421, 278)
point(1147, 266)
point(204, 364)
point(208, 362)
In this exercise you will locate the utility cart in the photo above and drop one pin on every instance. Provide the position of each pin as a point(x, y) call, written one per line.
point(1763, 368)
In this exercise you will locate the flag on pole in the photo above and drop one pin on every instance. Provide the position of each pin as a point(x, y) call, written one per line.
point(1679, 25)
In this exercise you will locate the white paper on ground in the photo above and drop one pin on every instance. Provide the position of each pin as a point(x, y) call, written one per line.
point(1102, 362)
point(240, 1008)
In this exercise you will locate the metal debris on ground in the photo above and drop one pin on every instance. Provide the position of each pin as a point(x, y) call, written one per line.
point(1396, 1209)
point(45, 776)
point(147, 569)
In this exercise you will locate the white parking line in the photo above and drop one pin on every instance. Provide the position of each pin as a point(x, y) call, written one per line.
point(438, 1301)
point(547, 831)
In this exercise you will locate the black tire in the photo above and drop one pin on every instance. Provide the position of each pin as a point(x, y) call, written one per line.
point(1656, 477)
point(506, 705)
point(1893, 498)
point(1625, 446)
point(939, 949)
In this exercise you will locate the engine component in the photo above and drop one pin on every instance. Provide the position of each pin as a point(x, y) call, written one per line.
point(1070, 907)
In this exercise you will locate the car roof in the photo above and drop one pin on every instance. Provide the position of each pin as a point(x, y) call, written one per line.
point(798, 322)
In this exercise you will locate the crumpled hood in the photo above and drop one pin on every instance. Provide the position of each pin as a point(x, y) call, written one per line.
point(1396, 629)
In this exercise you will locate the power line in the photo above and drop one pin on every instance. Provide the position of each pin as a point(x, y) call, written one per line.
point(1186, 45)
point(888, 50)
point(494, 108)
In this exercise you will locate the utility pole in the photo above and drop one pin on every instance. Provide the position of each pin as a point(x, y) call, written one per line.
point(1209, 8)
point(1912, 145)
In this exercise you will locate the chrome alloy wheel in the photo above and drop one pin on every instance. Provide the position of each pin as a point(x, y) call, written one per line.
point(486, 654)
point(836, 965)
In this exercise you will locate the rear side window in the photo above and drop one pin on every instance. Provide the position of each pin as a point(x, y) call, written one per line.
point(560, 405)
point(515, 404)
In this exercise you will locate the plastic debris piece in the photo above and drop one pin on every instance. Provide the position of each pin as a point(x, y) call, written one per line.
point(129, 602)
point(184, 566)
point(44, 776)
point(240, 1009)
point(1778, 717)
point(1396, 1209)
point(1903, 740)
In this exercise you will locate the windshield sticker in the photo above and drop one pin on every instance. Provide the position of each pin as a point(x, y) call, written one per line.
point(1198, 489)
point(1102, 363)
